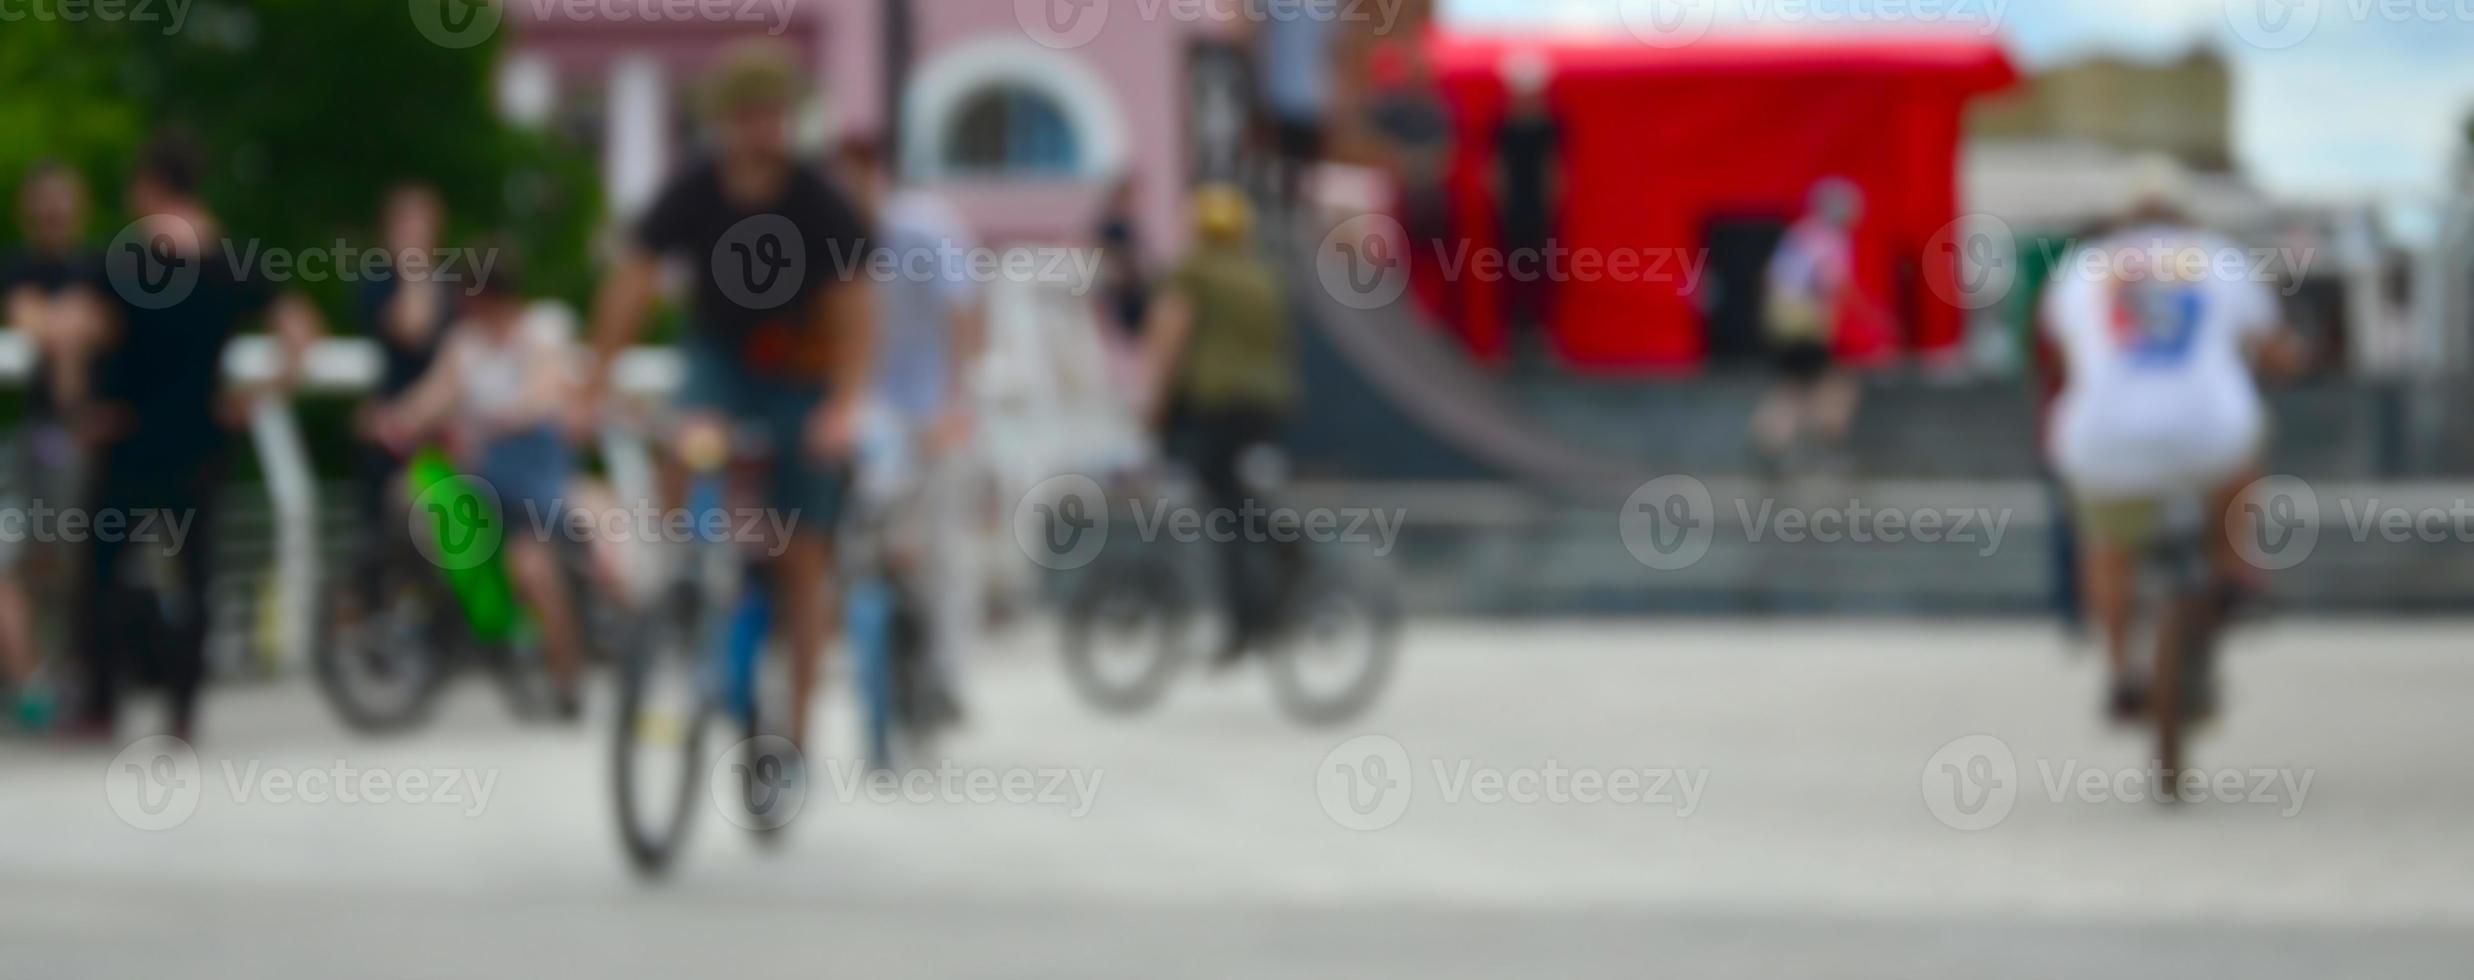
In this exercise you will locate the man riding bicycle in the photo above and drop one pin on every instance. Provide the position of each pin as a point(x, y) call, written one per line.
point(1225, 378)
point(2160, 335)
point(930, 332)
point(779, 325)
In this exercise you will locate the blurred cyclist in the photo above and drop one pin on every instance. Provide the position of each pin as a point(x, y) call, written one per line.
point(2159, 338)
point(1811, 283)
point(930, 333)
point(163, 417)
point(497, 392)
point(1222, 356)
point(407, 312)
point(54, 293)
point(779, 326)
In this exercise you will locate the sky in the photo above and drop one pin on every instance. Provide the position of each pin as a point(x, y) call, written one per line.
point(2334, 99)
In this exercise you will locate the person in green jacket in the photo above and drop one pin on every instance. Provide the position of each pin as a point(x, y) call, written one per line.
point(1222, 356)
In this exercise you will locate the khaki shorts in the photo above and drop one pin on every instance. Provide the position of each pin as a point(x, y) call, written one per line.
point(2134, 523)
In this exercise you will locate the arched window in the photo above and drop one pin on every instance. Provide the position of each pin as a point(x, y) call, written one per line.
point(1011, 130)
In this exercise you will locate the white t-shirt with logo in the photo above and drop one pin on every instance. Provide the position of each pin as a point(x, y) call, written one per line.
point(2154, 323)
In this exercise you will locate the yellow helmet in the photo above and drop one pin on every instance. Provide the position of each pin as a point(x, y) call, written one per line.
point(1222, 213)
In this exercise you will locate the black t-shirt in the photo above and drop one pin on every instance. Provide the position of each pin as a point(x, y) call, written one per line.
point(400, 364)
point(51, 275)
point(759, 270)
point(1121, 276)
point(165, 372)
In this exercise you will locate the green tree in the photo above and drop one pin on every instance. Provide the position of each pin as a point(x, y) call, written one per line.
point(308, 110)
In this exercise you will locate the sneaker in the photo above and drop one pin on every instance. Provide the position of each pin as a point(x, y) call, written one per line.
point(2127, 703)
point(34, 708)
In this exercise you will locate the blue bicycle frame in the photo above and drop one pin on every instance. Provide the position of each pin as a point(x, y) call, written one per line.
point(737, 641)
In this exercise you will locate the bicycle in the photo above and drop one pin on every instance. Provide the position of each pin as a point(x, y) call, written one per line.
point(698, 663)
point(382, 669)
point(901, 689)
point(2196, 603)
point(1134, 622)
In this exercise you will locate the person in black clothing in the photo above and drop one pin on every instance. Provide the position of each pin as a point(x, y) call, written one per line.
point(163, 421)
point(781, 328)
point(54, 295)
point(1528, 149)
point(1416, 128)
point(407, 312)
point(1125, 285)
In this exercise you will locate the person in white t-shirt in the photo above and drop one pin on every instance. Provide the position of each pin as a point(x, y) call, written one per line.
point(1809, 288)
point(495, 397)
point(2160, 326)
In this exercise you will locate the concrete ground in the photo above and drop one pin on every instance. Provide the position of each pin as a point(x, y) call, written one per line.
point(1552, 798)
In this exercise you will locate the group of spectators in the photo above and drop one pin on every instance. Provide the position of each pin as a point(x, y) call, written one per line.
point(128, 422)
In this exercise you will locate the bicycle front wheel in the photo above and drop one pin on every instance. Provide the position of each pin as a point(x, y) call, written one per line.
point(380, 666)
point(1127, 634)
point(664, 710)
point(1341, 647)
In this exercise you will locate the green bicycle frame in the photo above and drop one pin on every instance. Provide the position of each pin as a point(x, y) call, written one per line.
point(461, 519)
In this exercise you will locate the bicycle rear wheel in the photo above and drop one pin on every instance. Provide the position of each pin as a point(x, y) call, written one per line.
point(381, 668)
point(665, 707)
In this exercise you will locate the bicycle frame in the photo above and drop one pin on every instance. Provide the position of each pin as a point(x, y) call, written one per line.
point(483, 592)
point(736, 645)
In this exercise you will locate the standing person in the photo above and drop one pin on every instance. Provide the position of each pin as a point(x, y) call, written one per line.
point(406, 310)
point(1125, 281)
point(2162, 351)
point(1811, 290)
point(1529, 187)
point(1293, 70)
point(1416, 130)
point(54, 295)
point(929, 335)
point(498, 389)
point(164, 418)
point(780, 327)
point(1224, 363)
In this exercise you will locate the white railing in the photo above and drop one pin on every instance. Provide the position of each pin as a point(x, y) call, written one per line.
point(1049, 399)
point(345, 366)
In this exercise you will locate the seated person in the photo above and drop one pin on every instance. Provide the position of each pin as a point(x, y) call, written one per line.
point(496, 396)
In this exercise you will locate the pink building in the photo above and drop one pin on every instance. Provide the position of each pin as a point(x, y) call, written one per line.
point(1022, 113)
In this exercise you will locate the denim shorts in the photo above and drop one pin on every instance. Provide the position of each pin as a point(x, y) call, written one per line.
point(530, 470)
point(800, 484)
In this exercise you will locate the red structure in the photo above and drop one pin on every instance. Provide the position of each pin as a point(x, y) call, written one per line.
point(1659, 143)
